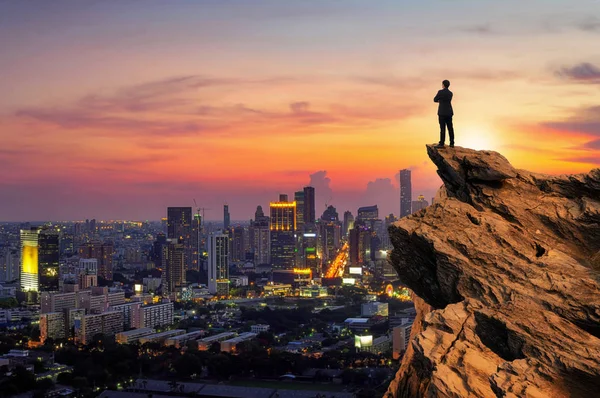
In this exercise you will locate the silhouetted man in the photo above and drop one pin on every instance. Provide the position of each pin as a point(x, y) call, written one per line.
point(445, 113)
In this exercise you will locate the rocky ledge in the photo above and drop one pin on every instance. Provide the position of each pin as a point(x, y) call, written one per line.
point(506, 267)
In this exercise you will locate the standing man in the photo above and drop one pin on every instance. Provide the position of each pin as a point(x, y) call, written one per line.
point(445, 113)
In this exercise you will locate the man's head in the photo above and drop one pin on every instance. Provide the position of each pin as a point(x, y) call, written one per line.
point(446, 83)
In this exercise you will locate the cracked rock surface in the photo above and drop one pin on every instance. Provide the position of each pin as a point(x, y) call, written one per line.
point(506, 267)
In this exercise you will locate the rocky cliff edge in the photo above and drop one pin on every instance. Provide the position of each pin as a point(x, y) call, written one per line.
point(505, 265)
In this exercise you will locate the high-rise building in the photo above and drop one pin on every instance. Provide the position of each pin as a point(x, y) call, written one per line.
point(238, 247)
point(309, 205)
point(419, 204)
point(330, 214)
point(179, 226)
point(330, 234)
point(226, 217)
point(405, 193)
point(260, 237)
point(30, 260)
point(283, 231)
point(218, 264)
point(103, 252)
point(348, 223)
point(299, 198)
point(49, 256)
point(9, 264)
point(197, 244)
point(367, 213)
point(173, 268)
point(52, 326)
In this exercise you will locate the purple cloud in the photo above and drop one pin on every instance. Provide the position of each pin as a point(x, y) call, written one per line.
point(584, 72)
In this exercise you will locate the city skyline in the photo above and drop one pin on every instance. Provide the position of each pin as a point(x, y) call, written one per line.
point(117, 111)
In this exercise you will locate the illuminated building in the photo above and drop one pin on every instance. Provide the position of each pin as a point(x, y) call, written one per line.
point(309, 205)
point(179, 227)
point(229, 345)
point(108, 323)
point(419, 204)
point(205, 343)
point(330, 214)
point(260, 237)
point(237, 243)
point(103, 252)
point(313, 291)
point(132, 336)
point(369, 344)
point(348, 223)
point(30, 260)
point(218, 264)
point(152, 316)
point(173, 276)
point(310, 242)
point(283, 231)
point(300, 208)
point(401, 339)
point(374, 308)
point(49, 255)
point(182, 339)
point(9, 264)
point(330, 233)
point(367, 213)
point(405, 193)
point(52, 326)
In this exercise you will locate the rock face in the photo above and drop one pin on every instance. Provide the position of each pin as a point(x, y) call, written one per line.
point(506, 267)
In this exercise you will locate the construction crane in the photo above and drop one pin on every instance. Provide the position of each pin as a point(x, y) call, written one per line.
point(198, 209)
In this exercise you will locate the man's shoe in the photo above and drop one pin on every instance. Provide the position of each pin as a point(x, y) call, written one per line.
point(451, 145)
point(439, 146)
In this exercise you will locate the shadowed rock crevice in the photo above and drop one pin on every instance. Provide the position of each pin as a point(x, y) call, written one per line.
point(506, 263)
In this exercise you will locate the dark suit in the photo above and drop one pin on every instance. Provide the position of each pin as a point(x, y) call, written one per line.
point(445, 113)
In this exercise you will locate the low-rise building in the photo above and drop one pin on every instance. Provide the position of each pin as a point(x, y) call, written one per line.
point(205, 343)
point(374, 345)
point(160, 337)
point(374, 308)
point(230, 344)
point(182, 339)
point(132, 336)
point(313, 291)
point(259, 328)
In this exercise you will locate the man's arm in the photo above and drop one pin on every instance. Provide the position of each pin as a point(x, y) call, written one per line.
point(437, 97)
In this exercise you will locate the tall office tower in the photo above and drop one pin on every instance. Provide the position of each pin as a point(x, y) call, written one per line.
point(197, 244)
point(9, 264)
point(260, 237)
point(330, 214)
point(226, 217)
point(348, 223)
point(299, 198)
point(309, 255)
point(218, 264)
point(30, 260)
point(49, 256)
point(157, 250)
point(283, 230)
point(330, 233)
point(360, 240)
point(179, 226)
point(173, 274)
point(237, 240)
point(405, 193)
point(309, 205)
point(419, 204)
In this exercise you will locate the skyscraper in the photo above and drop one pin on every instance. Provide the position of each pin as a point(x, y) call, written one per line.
point(309, 205)
point(218, 264)
point(299, 198)
point(179, 226)
point(30, 260)
point(348, 223)
point(405, 193)
point(226, 217)
point(330, 214)
point(260, 237)
point(283, 230)
point(103, 252)
point(173, 274)
point(49, 256)
point(367, 213)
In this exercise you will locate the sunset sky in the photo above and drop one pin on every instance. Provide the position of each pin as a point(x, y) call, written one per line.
point(116, 109)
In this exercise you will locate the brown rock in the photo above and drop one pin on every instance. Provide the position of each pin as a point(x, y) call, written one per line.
point(506, 267)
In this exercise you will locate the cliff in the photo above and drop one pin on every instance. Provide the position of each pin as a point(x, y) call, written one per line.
point(505, 265)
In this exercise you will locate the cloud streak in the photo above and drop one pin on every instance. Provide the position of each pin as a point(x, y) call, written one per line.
point(584, 72)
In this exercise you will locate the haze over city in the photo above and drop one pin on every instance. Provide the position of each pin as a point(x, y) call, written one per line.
point(116, 110)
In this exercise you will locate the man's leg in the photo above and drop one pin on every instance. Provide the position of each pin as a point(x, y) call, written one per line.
point(450, 129)
point(442, 129)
